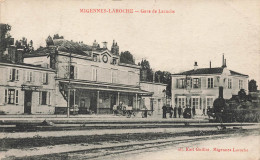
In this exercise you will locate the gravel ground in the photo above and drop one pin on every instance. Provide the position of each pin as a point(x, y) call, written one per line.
point(40, 145)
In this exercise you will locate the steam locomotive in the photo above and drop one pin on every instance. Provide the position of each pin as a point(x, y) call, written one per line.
point(240, 108)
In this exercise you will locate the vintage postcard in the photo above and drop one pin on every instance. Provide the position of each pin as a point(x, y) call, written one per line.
point(121, 79)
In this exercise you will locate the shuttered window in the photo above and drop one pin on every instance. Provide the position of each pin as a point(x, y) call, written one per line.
point(229, 83)
point(196, 83)
point(210, 83)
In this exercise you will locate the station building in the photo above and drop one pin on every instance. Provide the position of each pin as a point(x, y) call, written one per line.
point(90, 78)
point(199, 87)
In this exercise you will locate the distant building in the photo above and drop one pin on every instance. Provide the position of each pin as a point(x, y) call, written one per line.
point(26, 89)
point(156, 101)
point(96, 78)
point(199, 87)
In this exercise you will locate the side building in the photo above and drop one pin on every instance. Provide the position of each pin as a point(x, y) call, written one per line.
point(90, 78)
point(26, 89)
point(200, 87)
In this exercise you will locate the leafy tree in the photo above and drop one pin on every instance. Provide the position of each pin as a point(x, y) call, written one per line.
point(5, 38)
point(56, 36)
point(146, 71)
point(164, 77)
point(127, 57)
point(252, 86)
point(242, 95)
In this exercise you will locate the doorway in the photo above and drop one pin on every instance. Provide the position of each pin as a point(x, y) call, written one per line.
point(28, 102)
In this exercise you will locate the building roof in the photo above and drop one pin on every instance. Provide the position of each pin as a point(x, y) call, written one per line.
point(66, 46)
point(23, 65)
point(217, 70)
point(153, 83)
point(236, 73)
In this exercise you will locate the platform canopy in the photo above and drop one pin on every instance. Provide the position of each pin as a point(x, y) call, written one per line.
point(98, 86)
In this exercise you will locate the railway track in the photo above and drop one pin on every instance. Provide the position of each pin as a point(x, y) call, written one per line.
point(101, 152)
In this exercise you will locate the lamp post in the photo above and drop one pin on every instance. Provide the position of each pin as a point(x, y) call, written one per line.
point(165, 97)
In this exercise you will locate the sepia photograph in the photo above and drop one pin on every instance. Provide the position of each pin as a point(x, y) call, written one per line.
point(124, 80)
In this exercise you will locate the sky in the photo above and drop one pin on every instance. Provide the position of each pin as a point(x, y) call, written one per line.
point(200, 30)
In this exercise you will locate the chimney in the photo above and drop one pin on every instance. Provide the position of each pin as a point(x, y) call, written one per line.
point(104, 45)
point(223, 60)
point(225, 63)
point(195, 65)
point(209, 64)
point(220, 94)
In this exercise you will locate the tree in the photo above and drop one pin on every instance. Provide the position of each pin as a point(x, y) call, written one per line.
point(56, 36)
point(127, 57)
point(242, 95)
point(252, 86)
point(5, 38)
point(146, 71)
point(164, 77)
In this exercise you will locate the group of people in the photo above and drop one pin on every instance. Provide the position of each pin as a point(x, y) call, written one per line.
point(185, 112)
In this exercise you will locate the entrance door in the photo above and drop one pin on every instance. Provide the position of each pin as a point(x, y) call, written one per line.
point(28, 102)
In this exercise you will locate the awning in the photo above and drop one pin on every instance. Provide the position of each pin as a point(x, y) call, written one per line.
point(105, 87)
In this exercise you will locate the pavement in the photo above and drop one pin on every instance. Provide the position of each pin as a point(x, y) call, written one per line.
point(15, 119)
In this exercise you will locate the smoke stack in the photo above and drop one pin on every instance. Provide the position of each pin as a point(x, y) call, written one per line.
point(195, 65)
point(209, 64)
point(220, 92)
point(225, 63)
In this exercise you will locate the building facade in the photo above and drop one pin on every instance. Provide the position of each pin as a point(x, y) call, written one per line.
point(26, 89)
point(94, 79)
point(200, 87)
point(157, 100)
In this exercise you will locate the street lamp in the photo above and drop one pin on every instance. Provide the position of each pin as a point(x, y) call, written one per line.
point(165, 96)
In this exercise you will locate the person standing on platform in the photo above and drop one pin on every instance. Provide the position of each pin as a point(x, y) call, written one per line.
point(171, 111)
point(179, 111)
point(175, 112)
point(193, 111)
point(164, 108)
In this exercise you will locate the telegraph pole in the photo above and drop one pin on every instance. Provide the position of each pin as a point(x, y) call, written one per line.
point(68, 102)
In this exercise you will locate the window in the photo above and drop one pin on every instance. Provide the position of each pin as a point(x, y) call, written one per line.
point(94, 74)
point(71, 72)
point(195, 102)
point(43, 98)
point(210, 83)
point(6, 97)
point(229, 83)
point(210, 102)
point(17, 75)
point(13, 75)
point(114, 76)
point(181, 83)
point(11, 96)
point(45, 78)
point(29, 76)
point(196, 83)
point(240, 84)
point(181, 101)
